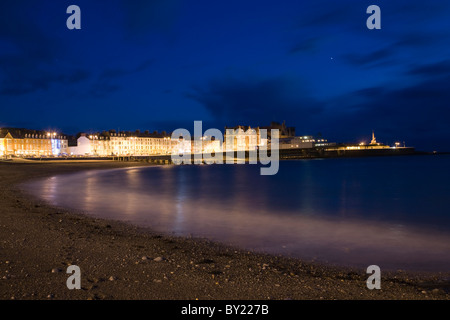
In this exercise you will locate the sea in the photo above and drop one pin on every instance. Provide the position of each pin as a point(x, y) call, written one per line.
point(393, 212)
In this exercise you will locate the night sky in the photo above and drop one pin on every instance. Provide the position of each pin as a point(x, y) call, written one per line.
point(161, 64)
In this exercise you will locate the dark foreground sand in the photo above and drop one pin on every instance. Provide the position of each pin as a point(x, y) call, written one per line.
point(38, 242)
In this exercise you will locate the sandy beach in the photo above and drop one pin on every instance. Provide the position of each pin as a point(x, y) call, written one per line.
point(121, 261)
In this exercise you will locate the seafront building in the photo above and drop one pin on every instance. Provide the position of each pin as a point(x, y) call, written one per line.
point(246, 138)
point(29, 143)
point(141, 144)
point(123, 144)
point(304, 142)
point(243, 138)
point(146, 144)
point(25, 142)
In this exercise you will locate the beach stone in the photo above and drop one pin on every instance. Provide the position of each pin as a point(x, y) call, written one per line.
point(56, 270)
point(159, 259)
point(145, 258)
point(437, 291)
point(112, 278)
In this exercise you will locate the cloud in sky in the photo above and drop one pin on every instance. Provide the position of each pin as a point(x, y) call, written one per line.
point(30, 64)
point(441, 68)
point(111, 73)
point(109, 79)
point(370, 59)
point(305, 45)
point(259, 100)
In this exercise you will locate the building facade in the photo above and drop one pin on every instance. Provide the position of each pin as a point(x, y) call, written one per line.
point(123, 144)
point(140, 145)
point(29, 143)
point(242, 138)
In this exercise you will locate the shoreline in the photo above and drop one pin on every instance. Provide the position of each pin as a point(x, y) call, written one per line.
point(122, 261)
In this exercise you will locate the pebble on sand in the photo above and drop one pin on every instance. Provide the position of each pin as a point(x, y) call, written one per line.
point(159, 259)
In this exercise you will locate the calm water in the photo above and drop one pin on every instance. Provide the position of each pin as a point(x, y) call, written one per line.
point(390, 211)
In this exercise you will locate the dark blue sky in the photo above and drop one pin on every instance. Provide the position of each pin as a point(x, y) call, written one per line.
point(161, 64)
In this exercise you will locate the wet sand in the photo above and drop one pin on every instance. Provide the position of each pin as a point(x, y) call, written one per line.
point(121, 261)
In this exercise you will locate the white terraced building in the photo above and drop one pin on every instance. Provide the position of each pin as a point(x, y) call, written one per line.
point(122, 144)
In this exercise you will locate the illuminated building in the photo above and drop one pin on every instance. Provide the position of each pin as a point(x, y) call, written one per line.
point(141, 144)
point(206, 145)
point(373, 145)
point(123, 144)
point(304, 142)
point(183, 146)
point(243, 138)
point(374, 140)
point(83, 147)
point(25, 142)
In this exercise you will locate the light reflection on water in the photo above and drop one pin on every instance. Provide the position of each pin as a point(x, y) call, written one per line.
point(351, 212)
